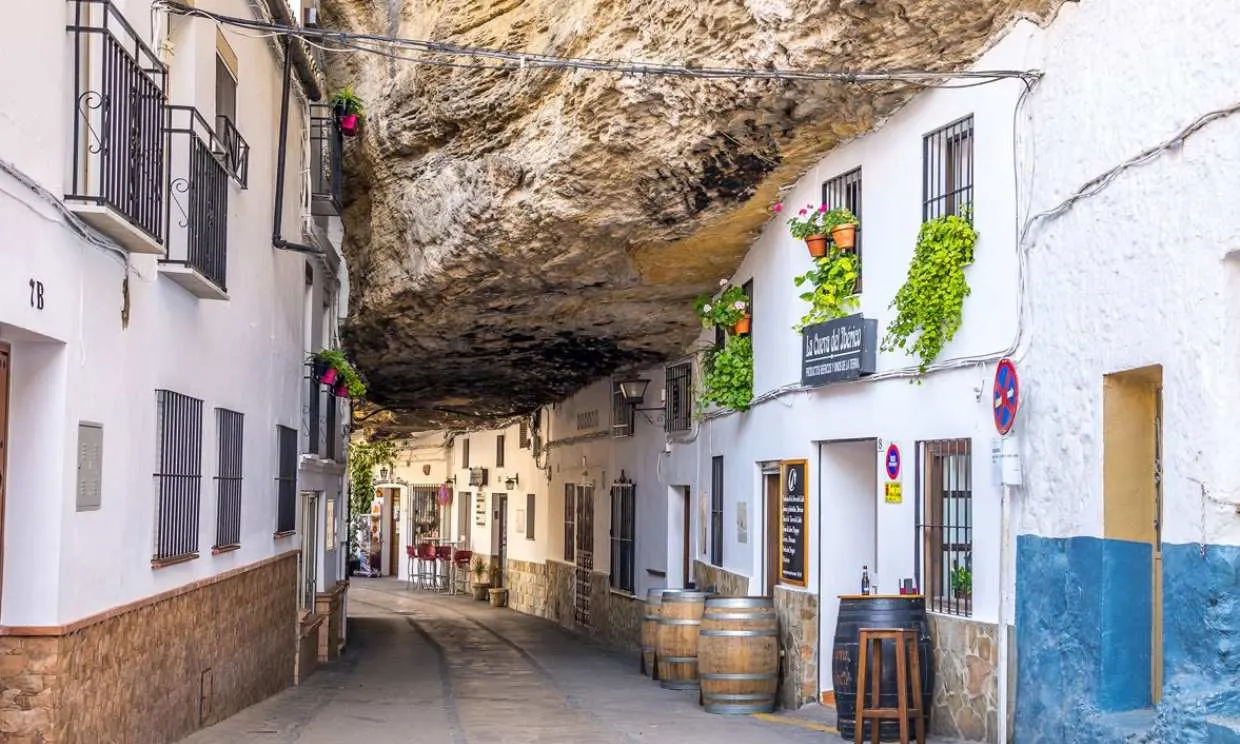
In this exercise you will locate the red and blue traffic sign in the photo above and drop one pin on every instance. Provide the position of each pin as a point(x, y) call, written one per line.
point(892, 462)
point(1006, 396)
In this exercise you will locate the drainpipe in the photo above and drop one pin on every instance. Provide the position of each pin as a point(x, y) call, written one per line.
point(277, 238)
point(1004, 661)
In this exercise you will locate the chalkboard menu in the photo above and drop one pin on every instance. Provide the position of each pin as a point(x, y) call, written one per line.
point(793, 517)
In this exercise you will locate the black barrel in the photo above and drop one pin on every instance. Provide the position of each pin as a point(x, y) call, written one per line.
point(908, 612)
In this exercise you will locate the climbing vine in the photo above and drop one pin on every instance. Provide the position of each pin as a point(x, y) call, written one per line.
point(364, 457)
point(833, 284)
point(931, 301)
point(727, 378)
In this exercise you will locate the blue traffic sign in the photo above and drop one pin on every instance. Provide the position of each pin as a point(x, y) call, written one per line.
point(893, 462)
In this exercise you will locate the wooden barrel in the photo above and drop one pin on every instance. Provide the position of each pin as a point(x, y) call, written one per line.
point(650, 631)
point(680, 619)
point(889, 611)
point(738, 655)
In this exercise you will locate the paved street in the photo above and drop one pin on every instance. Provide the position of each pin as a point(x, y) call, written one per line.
point(448, 670)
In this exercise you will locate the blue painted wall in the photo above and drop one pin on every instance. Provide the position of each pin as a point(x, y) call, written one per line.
point(1083, 615)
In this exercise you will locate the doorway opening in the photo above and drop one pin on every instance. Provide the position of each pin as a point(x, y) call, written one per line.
point(772, 531)
point(499, 538)
point(584, 529)
point(679, 517)
point(309, 557)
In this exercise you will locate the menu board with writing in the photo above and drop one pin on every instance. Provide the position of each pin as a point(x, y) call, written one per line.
point(793, 518)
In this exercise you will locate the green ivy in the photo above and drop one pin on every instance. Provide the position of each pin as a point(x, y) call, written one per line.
point(727, 379)
point(834, 284)
point(364, 457)
point(931, 302)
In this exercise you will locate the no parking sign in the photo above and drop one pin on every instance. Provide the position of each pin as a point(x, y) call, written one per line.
point(1006, 396)
point(893, 491)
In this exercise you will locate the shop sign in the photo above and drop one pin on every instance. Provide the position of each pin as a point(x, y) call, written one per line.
point(840, 349)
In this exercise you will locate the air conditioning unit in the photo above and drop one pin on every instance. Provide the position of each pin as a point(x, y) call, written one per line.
point(477, 476)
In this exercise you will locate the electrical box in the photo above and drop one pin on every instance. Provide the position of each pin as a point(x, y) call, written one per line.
point(1005, 461)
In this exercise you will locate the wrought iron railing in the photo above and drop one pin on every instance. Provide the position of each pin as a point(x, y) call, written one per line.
point(325, 165)
point(118, 119)
point(199, 239)
point(234, 151)
point(231, 428)
point(179, 478)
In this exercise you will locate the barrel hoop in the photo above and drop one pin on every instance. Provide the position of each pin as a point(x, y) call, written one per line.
point(679, 684)
point(686, 597)
point(740, 633)
point(679, 659)
point(648, 648)
point(674, 621)
point(760, 602)
point(720, 698)
point(737, 615)
point(652, 617)
point(739, 676)
point(741, 710)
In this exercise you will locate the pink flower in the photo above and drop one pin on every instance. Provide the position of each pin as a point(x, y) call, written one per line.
point(823, 208)
point(777, 208)
point(802, 212)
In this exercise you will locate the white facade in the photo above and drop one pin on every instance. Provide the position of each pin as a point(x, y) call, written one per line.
point(96, 330)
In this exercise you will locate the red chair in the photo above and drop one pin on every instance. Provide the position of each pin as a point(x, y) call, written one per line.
point(426, 566)
point(411, 556)
point(443, 566)
point(460, 570)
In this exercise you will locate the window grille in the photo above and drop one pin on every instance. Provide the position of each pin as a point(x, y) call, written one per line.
point(499, 451)
point(570, 512)
point(946, 525)
point(623, 524)
point(331, 449)
point(845, 191)
point(179, 480)
point(716, 510)
point(678, 381)
point(286, 480)
point(947, 169)
point(231, 427)
point(313, 415)
point(622, 414)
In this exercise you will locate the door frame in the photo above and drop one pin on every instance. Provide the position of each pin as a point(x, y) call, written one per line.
point(309, 548)
point(6, 367)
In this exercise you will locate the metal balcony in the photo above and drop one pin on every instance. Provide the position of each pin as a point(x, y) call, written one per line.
point(325, 166)
point(117, 182)
point(198, 205)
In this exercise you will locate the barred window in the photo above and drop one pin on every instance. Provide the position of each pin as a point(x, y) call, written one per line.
point(845, 191)
point(716, 510)
point(623, 415)
point(570, 511)
point(313, 416)
point(678, 381)
point(946, 516)
point(623, 523)
point(332, 449)
point(286, 480)
point(230, 426)
point(523, 435)
point(947, 169)
point(179, 480)
point(499, 451)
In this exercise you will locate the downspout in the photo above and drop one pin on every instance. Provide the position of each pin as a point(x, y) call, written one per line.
point(277, 237)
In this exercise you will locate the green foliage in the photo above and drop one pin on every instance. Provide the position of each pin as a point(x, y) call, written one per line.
point(727, 380)
point(336, 359)
point(833, 284)
point(820, 220)
point(931, 302)
point(480, 568)
point(724, 310)
point(347, 102)
point(962, 581)
point(364, 457)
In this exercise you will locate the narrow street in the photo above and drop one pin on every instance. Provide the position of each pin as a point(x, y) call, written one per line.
point(428, 668)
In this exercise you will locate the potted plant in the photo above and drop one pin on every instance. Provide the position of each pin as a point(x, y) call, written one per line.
point(833, 283)
point(808, 226)
point(326, 365)
point(499, 596)
point(841, 224)
point(729, 310)
point(349, 111)
point(480, 585)
point(727, 378)
point(962, 582)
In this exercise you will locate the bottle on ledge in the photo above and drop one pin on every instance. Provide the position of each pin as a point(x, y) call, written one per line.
point(865, 580)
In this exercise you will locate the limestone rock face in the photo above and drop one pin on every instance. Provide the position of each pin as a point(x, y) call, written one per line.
point(514, 234)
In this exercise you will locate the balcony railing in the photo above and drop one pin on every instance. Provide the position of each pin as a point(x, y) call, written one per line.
point(117, 180)
point(325, 167)
point(234, 151)
point(198, 229)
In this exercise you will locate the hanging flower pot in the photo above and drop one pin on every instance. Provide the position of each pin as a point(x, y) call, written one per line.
point(844, 236)
point(318, 369)
point(817, 245)
point(329, 376)
point(341, 390)
point(742, 326)
point(348, 125)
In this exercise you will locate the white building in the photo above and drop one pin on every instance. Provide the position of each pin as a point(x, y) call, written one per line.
point(153, 343)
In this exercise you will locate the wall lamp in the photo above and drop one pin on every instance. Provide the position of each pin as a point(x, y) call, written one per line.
point(511, 482)
point(633, 392)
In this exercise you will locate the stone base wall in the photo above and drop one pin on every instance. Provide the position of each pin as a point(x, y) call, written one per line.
point(966, 683)
point(527, 587)
point(798, 638)
point(615, 618)
point(308, 646)
point(157, 670)
point(560, 593)
point(330, 605)
point(714, 579)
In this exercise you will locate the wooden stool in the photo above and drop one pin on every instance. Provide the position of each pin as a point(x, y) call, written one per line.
point(907, 663)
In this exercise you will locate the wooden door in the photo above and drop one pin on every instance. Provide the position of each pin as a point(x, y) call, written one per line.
point(585, 555)
point(4, 442)
point(499, 537)
point(393, 557)
point(774, 543)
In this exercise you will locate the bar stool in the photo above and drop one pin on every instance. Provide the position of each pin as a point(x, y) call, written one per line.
point(443, 567)
point(426, 566)
point(411, 557)
point(908, 663)
point(460, 570)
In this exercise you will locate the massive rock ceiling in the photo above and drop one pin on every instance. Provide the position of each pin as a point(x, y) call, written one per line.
point(513, 234)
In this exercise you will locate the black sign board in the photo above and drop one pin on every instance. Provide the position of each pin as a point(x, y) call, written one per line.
point(840, 349)
point(793, 521)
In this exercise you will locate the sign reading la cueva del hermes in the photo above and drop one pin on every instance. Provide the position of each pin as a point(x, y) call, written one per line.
point(840, 349)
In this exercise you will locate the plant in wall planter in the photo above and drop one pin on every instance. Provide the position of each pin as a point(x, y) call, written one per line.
point(841, 224)
point(729, 310)
point(962, 582)
point(807, 226)
point(727, 379)
point(326, 365)
point(349, 111)
point(930, 305)
point(832, 287)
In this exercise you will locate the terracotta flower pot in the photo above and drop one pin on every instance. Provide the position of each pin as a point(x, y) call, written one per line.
point(480, 592)
point(844, 237)
point(817, 245)
point(348, 125)
point(329, 376)
point(742, 326)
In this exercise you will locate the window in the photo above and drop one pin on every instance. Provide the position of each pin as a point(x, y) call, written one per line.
point(529, 516)
point(716, 510)
point(747, 288)
point(499, 451)
point(179, 480)
point(225, 92)
point(464, 453)
point(947, 169)
point(230, 145)
point(523, 434)
point(286, 480)
point(314, 415)
point(678, 381)
point(946, 513)
point(230, 431)
point(623, 519)
point(845, 191)
point(570, 510)
point(622, 414)
point(332, 449)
